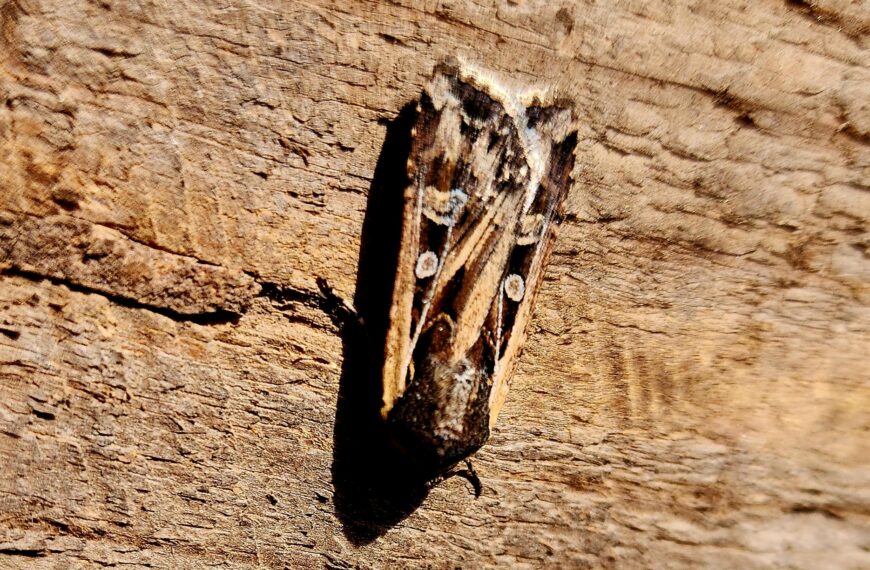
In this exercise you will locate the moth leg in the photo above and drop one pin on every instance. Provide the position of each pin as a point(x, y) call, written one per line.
point(337, 307)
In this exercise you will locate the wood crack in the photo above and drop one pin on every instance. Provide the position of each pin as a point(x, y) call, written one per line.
point(216, 317)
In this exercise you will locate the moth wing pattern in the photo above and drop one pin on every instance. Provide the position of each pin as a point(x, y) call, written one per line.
point(489, 171)
point(557, 130)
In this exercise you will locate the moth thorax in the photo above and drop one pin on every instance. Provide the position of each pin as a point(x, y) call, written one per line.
point(427, 265)
point(457, 386)
point(514, 287)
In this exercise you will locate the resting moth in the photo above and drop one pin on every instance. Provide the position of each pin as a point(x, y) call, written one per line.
point(488, 171)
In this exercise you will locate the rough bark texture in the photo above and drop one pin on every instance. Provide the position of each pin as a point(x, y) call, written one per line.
point(174, 176)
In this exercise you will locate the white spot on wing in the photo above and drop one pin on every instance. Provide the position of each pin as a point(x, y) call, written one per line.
point(514, 287)
point(427, 265)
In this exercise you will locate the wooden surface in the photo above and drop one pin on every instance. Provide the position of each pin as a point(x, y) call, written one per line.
point(175, 392)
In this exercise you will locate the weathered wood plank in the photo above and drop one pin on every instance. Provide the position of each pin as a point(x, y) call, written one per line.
point(174, 177)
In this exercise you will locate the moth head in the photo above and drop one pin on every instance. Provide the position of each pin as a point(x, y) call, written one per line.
point(443, 415)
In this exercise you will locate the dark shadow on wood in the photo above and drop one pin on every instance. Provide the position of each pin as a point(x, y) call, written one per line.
point(374, 487)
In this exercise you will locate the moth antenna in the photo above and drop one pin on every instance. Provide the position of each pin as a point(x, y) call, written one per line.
point(469, 474)
point(473, 479)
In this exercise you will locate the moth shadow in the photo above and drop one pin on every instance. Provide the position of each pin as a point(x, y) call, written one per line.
point(373, 487)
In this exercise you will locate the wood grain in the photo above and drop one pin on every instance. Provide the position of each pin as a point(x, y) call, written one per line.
point(175, 392)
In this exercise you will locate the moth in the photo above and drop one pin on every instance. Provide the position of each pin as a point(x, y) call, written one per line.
point(488, 172)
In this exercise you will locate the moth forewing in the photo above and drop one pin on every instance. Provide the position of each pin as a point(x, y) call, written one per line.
point(397, 344)
point(537, 234)
point(488, 175)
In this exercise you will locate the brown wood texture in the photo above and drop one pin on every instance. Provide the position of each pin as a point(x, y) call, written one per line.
point(175, 391)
